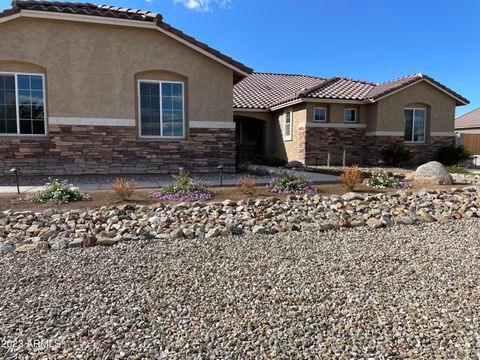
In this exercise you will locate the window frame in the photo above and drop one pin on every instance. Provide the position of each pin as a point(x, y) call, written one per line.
point(285, 136)
point(320, 121)
point(159, 137)
point(413, 126)
point(345, 116)
point(17, 105)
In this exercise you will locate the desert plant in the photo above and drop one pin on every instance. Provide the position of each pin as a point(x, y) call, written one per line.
point(184, 188)
point(351, 178)
point(124, 188)
point(385, 179)
point(57, 191)
point(453, 154)
point(397, 154)
point(288, 183)
point(273, 160)
point(454, 169)
point(247, 185)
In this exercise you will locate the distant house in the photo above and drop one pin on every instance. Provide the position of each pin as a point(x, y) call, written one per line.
point(469, 126)
point(306, 118)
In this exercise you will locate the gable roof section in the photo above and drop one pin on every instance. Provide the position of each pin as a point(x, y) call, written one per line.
point(264, 90)
point(468, 120)
point(111, 12)
point(384, 89)
point(274, 91)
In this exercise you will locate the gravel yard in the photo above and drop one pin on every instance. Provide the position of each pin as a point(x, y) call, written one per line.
point(401, 291)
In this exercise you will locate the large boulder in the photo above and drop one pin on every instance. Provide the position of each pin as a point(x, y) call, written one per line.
point(433, 173)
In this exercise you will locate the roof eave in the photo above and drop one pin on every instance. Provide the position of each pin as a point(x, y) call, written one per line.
point(459, 99)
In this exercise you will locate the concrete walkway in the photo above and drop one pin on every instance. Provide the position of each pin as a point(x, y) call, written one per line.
point(316, 178)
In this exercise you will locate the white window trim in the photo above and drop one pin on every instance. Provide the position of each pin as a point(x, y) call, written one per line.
point(45, 117)
point(320, 121)
point(160, 82)
point(285, 136)
point(345, 116)
point(413, 126)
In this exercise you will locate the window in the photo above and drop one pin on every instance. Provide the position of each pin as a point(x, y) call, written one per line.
point(22, 104)
point(414, 125)
point(161, 109)
point(287, 134)
point(350, 115)
point(320, 114)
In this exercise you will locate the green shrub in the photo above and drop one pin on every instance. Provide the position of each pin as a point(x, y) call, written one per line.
point(458, 170)
point(385, 179)
point(60, 192)
point(397, 154)
point(453, 154)
point(183, 189)
point(288, 183)
point(274, 160)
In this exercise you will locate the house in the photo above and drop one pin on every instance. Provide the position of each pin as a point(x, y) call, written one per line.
point(102, 89)
point(468, 125)
point(310, 119)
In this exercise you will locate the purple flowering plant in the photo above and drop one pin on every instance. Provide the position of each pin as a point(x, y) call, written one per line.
point(288, 183)
point(184, 188)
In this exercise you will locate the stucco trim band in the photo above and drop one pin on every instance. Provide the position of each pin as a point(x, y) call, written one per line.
point(444, 133)
point(211, 125)
point(91, 121)
point(384, 133)
point(331, 125)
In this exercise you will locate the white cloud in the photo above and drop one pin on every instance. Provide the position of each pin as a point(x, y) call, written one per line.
point(204, 5)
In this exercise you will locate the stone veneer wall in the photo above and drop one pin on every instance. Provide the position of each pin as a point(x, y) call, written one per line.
point(421, 152)
point(318, 142)
point(359, 149)
point(117, 150)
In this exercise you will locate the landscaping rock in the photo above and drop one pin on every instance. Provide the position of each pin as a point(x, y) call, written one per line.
point(7, 249)
point(25, 247)
point(293, 164)
point(187, 221)
point(59, 244)
point(374, 223)
point(433, 172)
point(258, 230)
point(77, 243)
point(106, 242)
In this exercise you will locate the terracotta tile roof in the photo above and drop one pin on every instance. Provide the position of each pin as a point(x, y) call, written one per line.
point(119, 13)
point(264, 90)
point(341, 88)
point(468, 120)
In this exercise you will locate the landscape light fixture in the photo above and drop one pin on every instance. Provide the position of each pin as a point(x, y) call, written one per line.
point(15, 170)
point(220, 167)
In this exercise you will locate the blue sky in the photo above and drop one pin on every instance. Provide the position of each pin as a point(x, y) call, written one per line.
point(375, 40)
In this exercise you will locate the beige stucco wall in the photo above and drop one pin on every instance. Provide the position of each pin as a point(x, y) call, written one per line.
point(440, 109)
point(335, 112)
point(91, 68)
point(289, 149)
